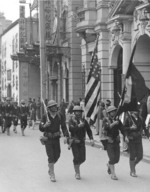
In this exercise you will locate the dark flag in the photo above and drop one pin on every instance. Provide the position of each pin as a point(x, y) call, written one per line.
point(92, 94)
point(134, 90)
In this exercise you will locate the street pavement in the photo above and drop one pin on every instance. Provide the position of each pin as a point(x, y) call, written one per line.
point(24, 168)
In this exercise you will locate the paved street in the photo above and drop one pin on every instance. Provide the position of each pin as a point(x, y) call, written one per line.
point(23, 168)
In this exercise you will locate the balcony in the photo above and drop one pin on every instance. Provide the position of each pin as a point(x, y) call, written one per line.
point(86, 22)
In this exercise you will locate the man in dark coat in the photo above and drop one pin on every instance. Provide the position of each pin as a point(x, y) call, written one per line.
point(23, 112)
point(50, 126)
point(15, 116)
point(8, 111)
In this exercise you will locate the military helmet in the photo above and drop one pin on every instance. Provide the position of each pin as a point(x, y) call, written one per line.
point(22, 101)
point(111, 108)
point(8, 99)
point(51, 103)
point(77, 108)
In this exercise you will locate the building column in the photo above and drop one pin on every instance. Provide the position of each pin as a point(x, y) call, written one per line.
point(126, 56)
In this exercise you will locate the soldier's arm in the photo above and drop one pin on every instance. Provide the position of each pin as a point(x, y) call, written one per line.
point(42, 123)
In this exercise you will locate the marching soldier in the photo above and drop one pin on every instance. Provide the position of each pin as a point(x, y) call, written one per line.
point(15, 116)
point(1, 117)
point(8, 110)
point(23, 111)
point(133, 127)
point(112, 128)
point(50, 125)
point(78, 128)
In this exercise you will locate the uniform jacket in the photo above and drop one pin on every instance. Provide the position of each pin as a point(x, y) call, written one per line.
point(79, 132)
point(112, 133)
point(8, 110)
point(23, 111)
point(135, 134)
point(55, 124)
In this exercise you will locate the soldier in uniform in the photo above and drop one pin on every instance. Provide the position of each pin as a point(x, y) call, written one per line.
point(8, 111)
point(23, 111)
point(15, 116)
point(50, 126)
point(78, 128)
point(134, 129)
point(1, 117)
point(112, 128)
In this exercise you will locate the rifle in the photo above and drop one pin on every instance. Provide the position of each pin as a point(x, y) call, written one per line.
point(45, 109)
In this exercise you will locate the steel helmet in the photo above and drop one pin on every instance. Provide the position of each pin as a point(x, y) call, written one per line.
point(23, 101)
point(111, 108)
point(77, 108)
point(51, 103)
point(8, 99)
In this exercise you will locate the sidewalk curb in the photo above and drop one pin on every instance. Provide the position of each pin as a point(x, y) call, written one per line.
point(98, 145)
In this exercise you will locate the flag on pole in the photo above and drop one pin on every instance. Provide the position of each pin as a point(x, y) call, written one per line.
point(135, 89)
point(92, 93)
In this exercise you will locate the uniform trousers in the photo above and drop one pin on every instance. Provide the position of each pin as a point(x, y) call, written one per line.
point(53, 150)
point(113, 151)
point(23, 121)
point(79, 153)
point(136, 150)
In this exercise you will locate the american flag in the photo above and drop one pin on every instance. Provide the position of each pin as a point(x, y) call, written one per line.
point(92, 94)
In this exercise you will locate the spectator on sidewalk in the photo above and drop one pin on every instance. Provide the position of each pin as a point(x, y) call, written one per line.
point(62, 109)
point(71, 106)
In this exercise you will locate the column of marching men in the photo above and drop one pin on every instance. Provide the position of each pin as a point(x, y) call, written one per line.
point(75, 136)
point(75, 133)
point(11, 113)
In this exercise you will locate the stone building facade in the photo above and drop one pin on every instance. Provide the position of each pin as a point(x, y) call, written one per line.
point(121, 25)
point(63, 52)
point(20, 76)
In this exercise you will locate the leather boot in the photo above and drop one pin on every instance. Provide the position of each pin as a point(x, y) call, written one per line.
point(132, 169)
point(113, 174)
point(51, 172)
point(77, 171)
point(108, 169)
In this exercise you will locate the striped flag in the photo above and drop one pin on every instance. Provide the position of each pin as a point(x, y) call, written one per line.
point(92, 93)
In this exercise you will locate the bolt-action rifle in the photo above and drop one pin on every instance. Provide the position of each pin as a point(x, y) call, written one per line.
point(46, 112)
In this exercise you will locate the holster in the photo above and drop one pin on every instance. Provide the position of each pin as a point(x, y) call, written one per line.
point(43, 140)
point(70, 141)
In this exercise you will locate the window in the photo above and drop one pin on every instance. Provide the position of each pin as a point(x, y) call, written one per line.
point(9, 75)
